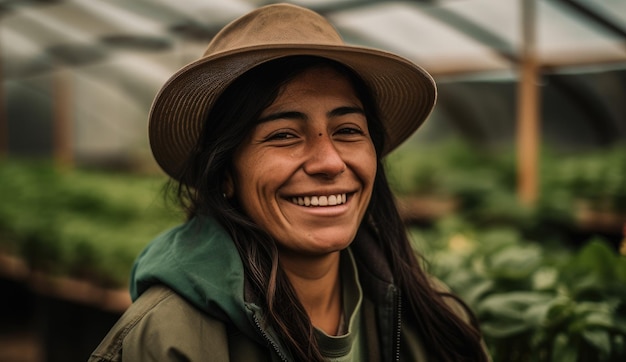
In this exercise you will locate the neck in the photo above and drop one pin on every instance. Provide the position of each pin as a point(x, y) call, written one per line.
point(317, 284)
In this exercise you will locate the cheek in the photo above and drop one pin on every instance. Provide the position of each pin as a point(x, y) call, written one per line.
point(243, 174)
point(369, 184)
point(366, 166)
point(256, 179)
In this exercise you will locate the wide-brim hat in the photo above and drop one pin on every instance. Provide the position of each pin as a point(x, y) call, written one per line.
point(405, 93)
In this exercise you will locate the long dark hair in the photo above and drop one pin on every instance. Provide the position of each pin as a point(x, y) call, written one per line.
point(444, 334)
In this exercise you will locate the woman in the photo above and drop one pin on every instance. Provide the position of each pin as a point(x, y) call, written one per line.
point(293, 249)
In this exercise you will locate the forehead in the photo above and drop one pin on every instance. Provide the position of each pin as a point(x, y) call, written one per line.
point(319, 80)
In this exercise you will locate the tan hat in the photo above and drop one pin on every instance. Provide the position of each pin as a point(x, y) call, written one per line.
point(405, 92)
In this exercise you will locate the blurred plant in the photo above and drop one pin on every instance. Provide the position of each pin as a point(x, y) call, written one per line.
point(598, 177)
point(535, 302)
point(484, 184)
point(85, 224)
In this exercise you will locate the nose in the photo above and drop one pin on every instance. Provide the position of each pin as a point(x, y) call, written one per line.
point(323, 158)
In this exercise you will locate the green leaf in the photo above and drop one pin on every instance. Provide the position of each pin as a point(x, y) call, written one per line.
point(544, 278)
point(600, 339)
point(563, 350)
point(503, 328)
point(506, 314)
point(474, 291)
point(536, 314)
point(592, 315)
point(620, 270)
point(596, 258)
point(515, 262)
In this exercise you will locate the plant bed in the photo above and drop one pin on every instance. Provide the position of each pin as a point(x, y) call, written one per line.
point(79, 224)
point(425, 209)
point(81, 291)
point(50, 324)
point(591, 219)
point(537, 300)
point(579, 193)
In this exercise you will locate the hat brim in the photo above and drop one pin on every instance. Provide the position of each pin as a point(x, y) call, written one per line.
point(405, 94)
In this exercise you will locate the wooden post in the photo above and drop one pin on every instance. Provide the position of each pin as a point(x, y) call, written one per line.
point(528, 110)
point(62, 119)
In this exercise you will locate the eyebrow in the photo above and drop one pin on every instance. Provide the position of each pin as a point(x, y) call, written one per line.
point(340, 111)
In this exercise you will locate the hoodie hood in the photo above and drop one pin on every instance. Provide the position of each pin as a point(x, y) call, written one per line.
point(200, 262)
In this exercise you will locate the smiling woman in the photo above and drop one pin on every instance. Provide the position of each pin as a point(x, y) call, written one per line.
point(293, 249)
point(284, 157)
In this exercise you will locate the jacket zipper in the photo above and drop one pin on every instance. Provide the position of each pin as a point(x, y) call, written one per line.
point(398, 325)
point(268, 339)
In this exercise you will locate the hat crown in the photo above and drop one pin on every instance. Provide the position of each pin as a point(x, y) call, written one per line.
point(278, 24)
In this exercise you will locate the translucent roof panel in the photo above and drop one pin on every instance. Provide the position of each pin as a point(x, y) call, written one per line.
point(614, 10)
point(409, 31)
point(447, 36)
point(564, 37)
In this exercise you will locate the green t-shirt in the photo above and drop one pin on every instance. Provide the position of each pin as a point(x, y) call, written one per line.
point(349, 344)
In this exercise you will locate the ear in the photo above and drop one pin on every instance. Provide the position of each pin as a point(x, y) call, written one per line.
point(228, 186)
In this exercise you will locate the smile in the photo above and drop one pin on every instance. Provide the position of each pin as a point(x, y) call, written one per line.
point(332, 200)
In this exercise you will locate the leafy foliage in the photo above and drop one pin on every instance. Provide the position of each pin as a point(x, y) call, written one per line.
point(535, 302)
point(538, 298)
point(484, 181)
point(80, 223)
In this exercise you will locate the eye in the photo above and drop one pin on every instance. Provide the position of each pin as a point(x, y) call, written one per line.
point(350, 131)
point(278, 136)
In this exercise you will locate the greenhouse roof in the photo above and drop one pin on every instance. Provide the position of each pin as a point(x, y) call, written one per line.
point(151, 39)
point(116, 54)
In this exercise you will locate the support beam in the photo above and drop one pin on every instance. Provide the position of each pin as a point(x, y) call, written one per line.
point(528, 110)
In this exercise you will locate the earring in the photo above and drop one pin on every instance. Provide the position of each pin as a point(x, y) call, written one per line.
point(228, 190)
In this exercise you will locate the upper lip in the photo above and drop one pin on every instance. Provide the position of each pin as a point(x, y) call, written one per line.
point(319, 193)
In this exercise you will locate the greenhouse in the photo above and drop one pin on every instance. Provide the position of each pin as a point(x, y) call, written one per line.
point(514, 190)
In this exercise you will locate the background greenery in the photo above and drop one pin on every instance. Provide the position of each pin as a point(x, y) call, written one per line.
point(535, 301)
point(542, 289)
point(80, 223)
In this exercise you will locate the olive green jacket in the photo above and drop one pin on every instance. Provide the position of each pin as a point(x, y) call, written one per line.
point(191, 304)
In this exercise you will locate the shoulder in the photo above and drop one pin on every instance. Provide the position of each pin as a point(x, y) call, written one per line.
point(167, 323)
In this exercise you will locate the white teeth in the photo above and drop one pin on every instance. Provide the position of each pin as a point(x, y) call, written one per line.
point(331, 200)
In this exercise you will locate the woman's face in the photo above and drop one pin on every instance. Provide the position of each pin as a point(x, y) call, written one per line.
point(305, 173)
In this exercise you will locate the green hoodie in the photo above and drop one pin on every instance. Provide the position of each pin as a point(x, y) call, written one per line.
point(199, 261)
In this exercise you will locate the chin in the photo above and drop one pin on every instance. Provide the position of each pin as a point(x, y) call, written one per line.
point(330, 245)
